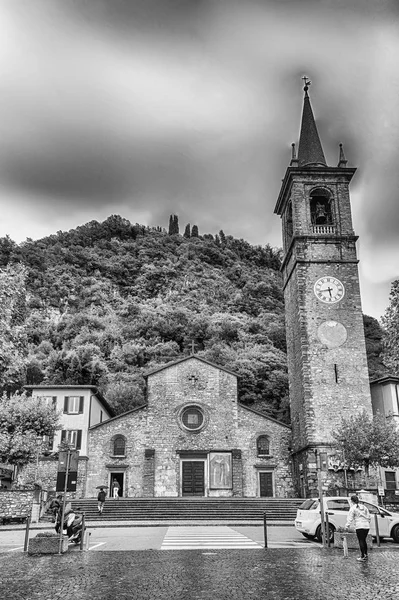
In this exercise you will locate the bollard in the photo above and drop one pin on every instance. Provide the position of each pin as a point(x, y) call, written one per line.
point(27, 534)
point(327, 530)
point(87, 536)
point(377, 531)
point(265, 529)
point(83, 531)
point(345, 546)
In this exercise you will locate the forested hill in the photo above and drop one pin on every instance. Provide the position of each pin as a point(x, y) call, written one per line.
point(107, 302)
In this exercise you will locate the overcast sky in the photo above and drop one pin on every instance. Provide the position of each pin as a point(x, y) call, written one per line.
point(145, 108)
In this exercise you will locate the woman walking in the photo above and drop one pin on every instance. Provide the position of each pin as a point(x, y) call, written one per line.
point(359, 517)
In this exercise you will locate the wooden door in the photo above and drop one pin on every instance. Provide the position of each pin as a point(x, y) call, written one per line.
point(266, 484)
point(193, 483)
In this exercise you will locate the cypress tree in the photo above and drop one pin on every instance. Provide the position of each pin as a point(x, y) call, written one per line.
point(187, 231)
point(176, 224)
point(171, 223)
point(194, 231)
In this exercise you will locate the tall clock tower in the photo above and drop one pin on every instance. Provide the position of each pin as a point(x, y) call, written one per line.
point(327, 364)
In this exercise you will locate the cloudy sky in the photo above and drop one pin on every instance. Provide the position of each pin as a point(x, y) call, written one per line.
point(145, 108)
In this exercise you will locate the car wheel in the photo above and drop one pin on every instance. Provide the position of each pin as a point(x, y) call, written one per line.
point(331, 530)
point(308, 536)
point(395, 534)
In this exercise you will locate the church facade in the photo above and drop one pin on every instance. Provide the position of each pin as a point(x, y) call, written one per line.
point(192, 438)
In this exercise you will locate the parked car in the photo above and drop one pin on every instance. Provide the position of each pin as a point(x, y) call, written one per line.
point(308, 519)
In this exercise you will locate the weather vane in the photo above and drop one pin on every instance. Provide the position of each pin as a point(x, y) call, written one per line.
point(307, 83)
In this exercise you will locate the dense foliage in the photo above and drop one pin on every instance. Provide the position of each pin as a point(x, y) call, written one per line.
point(368, 441)
point(106, 302)
point(23, 424)
point(391, 325)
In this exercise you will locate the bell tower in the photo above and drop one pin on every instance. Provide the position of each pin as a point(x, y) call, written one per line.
point(327, 363)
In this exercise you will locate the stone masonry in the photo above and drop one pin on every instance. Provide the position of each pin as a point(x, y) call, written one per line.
point(158, 442)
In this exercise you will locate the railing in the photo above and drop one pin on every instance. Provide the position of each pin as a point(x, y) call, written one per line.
point(323, 229)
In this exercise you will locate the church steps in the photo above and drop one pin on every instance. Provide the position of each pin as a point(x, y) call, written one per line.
point(184, 509)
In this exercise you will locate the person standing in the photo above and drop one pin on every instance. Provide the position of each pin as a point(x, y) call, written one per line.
point(101, 500)
point(115, 489)
point(359, 517)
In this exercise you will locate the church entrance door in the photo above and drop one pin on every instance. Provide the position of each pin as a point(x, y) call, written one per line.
point(193, 478)
point(266, 484)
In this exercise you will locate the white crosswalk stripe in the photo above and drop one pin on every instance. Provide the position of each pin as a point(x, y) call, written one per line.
point(188, 538)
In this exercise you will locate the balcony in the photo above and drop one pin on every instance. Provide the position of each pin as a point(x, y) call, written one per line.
point(323, 229)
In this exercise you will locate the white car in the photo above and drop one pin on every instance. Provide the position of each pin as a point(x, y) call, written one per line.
point(308, 518)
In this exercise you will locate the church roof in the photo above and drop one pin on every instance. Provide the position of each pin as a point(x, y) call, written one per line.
point(257, 412)
point(191, 357)
point(310, 151)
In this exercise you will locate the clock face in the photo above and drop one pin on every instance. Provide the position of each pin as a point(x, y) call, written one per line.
point(329, 290)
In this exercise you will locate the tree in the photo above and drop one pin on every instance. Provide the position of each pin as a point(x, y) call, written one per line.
point(390, 322)
point(374, 336)
point(194, 231)
point(366, 441)
point(186, 233)
point(23, 423)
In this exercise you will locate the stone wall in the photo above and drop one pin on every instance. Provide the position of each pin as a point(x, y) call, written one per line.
point(157, 441)
point(16, 504)
point(45, 473)
point(251, 426)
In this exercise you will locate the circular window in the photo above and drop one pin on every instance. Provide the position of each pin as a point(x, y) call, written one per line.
point(192, 418)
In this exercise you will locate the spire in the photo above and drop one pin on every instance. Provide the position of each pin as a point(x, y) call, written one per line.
point(310, 151)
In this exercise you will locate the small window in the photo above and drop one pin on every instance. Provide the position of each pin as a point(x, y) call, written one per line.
point(72, 437)
point(390, 480)
point(192, 418)
point(263, 445)
point(119, 446)
point(73, 405)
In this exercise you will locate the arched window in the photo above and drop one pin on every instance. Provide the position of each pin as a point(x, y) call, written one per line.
point(263, 445)
point(119, 446)
point(321, 208)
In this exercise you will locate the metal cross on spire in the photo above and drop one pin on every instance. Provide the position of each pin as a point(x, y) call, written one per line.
point(307, 82)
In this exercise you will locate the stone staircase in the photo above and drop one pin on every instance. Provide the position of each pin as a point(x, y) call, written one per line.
point(164, 510)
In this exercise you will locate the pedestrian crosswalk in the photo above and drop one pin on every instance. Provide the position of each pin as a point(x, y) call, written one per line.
point(186, 538)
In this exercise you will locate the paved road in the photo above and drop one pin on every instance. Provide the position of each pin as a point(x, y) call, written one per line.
point(273, 574)
point(156, 538)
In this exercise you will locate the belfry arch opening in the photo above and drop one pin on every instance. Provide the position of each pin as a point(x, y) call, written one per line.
point(321, 207)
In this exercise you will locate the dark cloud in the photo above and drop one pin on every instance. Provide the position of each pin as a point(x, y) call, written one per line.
point(151, 107)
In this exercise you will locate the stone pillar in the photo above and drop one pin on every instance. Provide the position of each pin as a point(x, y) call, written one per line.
point(237, 473)
point(149, 473)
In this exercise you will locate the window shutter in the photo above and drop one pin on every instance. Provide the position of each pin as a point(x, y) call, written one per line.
point(81, 399)
point(63, 435)
point(54, 402)
point(79, 439)
point(66, 402)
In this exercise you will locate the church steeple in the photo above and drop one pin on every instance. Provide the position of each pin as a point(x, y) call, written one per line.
point(310, 151)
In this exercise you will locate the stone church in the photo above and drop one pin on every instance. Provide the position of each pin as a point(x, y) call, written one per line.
point(193, 437)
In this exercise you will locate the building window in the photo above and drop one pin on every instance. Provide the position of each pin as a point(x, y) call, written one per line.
point(119, 446)
point(72, 437)
point(192, 418)
point(73, 405)
point(263, 445)
point(49, 400)
point(390, 480)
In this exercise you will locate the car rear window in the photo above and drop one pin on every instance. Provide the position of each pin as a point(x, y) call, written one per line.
point(309, 504)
